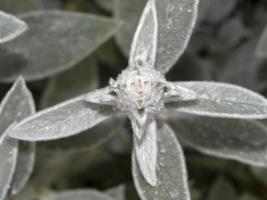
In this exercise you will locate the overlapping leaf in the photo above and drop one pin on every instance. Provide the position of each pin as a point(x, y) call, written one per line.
point(56, 41)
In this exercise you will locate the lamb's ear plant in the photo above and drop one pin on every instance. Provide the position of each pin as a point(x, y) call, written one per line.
point(17, 158)
point(10, 27)
point(142, 94)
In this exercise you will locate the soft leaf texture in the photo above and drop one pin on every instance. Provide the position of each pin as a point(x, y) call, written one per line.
point(31, 54)
point(222, 189)
point(10, 27)
point(81, 195)
point(176, 20)
point(242, 140)
point(261, 50)
point(18, 104)
point(171, 170)
point(60, 121)
point(146, 153)
point(8, 157)
point(223, 100)
point(18, 6)
point(144, 45)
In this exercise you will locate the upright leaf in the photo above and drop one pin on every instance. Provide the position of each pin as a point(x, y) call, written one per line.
point(56, 41)
point(223, 100)
point(10, 27)
point(171, 170)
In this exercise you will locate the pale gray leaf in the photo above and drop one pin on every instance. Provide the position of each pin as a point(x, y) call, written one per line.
point(10, 27)
point(222, 189)
point(261, 50)
point(144, 46)
point(171, 170)
point(18, 6)
point(222, 100)
point(63, 120)
point(176, 19)
point(117, 193)
point(31, 54)
point(8, 157)
point(80, 195)
point(146, 153)
point(242, 140)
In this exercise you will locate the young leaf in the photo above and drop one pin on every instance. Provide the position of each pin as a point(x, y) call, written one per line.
point(176, 19)
point(18, 6)
point(80, 195)
point(171, 170)
point(221, 190)
point(117, 193)
point(223, 100)
point(10, 27)
point(146, 153)
point(47, 38)
point(60, 121)
point(144, 46)
point(242, 140)
point(8, 157)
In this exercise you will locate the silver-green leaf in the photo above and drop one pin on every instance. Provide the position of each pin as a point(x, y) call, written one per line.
point(10, 27)
point(171, 170)
point(223, 100)
point(66, 37)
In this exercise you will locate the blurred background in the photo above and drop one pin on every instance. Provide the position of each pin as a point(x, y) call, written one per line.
point(222, 48)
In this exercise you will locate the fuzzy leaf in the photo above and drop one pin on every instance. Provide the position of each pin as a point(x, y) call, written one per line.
point(221, 190)
point(176, 19)
point(8, 157)
point(146, 153)
point(10, 27)
point(144, 46)
point(117, 193)
point(63, 120)
point(222, 100)
point(18, 6)
point(45, 49)
point(80, 195)
point(242, 140)
point(171, 170)
point(17, 105)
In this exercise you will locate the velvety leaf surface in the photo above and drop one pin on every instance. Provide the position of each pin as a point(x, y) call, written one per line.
point(8, 157)
point(10, 27)
point(60, 121)
point(171, 171)
point(173, 17)
point(45, 49)
point(81, 195)
point(222, 189)
point(18, 6)
point(242, 140)
point(223, 100)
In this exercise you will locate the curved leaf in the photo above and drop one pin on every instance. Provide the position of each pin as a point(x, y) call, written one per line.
point(10, 27)
point(56, 41)
point(63, 120)
point(171, 171)
point(176, 21)
point(222, 100)
point(242, 140)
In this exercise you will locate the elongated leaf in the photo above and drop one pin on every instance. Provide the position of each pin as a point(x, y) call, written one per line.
point(221, 190)
point(261, 50)
point(171, 171)
point(144, 45)
point(18, 6)
point(56, 41)
point(8, 157)
point(10, 27)
point(63, 120)
point(18, 104)
point(223, 100)
point(242, 140)
point(146, 153)
point(117, 193)
point(176, 21)
point(80, 195)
